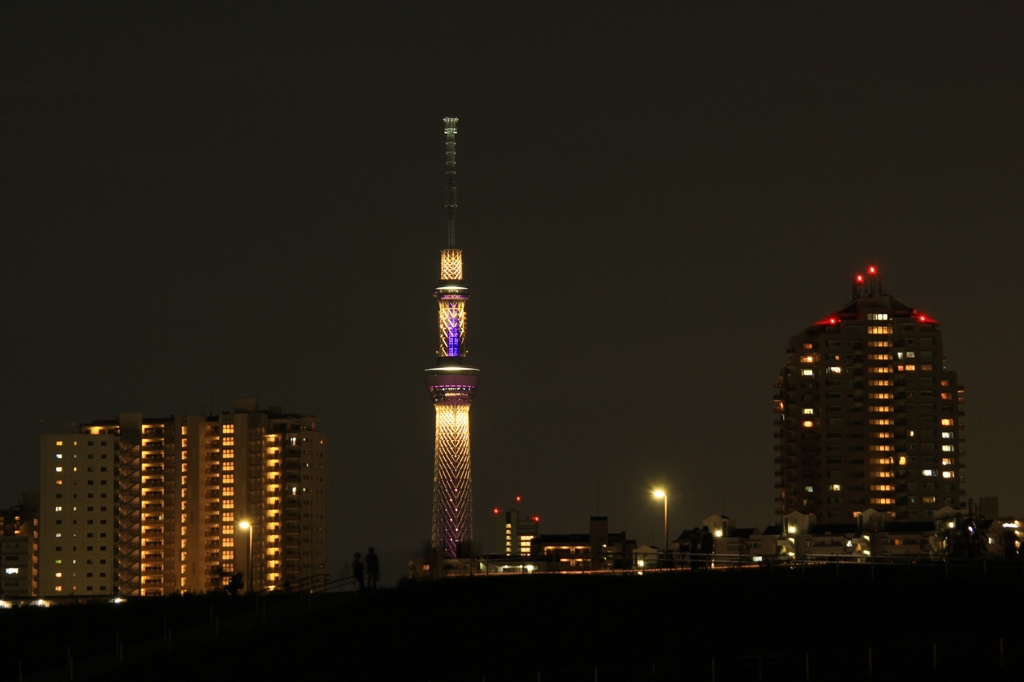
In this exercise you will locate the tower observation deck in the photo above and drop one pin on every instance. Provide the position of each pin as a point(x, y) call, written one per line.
point(452, 384)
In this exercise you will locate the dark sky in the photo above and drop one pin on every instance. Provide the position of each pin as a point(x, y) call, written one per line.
point(204, 202)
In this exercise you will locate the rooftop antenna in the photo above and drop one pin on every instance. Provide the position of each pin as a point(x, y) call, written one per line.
point(450, 203)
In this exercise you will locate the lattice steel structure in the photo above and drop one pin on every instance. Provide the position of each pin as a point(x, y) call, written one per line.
point(452, 384)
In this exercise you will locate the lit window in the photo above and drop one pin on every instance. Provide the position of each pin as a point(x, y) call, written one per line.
point(808, 410)
point(806, 359)
point(835, 487)
point(948, 448)
point(808, 424)
point(58, 508)
point(833, 370)
point(929, 472)
point(947, 474)
point(59, 469)
point(807, 372)
point(947, 422)
point(947, 461)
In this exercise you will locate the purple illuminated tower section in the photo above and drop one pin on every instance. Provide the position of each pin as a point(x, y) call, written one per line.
point(452, 384)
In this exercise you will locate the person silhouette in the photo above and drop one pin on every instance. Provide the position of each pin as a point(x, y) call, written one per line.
point(357, 569)
point(372, 568)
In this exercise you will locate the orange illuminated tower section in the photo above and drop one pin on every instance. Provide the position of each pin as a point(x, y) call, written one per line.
point(452, 384)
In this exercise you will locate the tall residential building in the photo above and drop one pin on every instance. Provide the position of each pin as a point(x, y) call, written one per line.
point(154, 506)
point(19, 548)
point(452, 384)
point(868, 414)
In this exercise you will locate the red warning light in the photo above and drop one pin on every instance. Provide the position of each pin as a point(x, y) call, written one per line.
point(832, 320)
point(497, 511)
point(922, 318)
point(860, 278)
point(536, 519)
point(518, 499)
point(872, 270)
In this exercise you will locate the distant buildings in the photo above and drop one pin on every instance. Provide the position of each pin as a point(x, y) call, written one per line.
point(155, 506)
point(513, 534)
point(593, 551)
point(868, 415)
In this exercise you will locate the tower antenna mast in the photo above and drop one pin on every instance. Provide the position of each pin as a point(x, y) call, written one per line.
point(450, 200)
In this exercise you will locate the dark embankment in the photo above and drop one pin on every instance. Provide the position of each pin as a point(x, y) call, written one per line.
point(916, 622)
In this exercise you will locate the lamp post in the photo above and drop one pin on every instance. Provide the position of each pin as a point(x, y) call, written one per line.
point(662, 495)
point(245, 525)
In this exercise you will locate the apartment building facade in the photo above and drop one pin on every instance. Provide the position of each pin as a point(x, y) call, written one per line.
point(184, 503)
point(868, 415)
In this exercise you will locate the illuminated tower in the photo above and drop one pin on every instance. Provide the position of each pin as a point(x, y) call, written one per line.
point(452, 384)
point(868, 414)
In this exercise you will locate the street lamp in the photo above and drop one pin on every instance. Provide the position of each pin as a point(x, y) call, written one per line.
point(245, 525)
point(662, 495)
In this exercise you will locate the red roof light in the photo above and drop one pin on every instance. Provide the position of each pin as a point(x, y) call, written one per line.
point(860, 278)
point(872, 270)
point(497, 511)
point(536, 519)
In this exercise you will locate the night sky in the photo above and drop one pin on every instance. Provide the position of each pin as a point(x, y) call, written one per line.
point(205, 202)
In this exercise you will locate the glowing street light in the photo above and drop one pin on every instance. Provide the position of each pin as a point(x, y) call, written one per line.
point(245, 525)
point(662, 495)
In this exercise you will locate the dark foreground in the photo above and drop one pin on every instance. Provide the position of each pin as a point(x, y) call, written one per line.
point(817, 623)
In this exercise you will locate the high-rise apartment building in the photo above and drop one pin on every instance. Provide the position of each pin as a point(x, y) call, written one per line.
point(868, 415)
point(19, 548)
point(154, 506)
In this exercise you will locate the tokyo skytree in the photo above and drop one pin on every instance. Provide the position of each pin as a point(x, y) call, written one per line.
point(452, 384)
